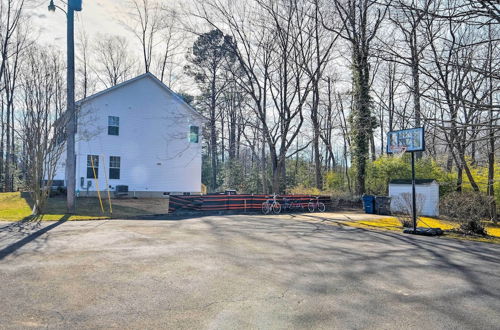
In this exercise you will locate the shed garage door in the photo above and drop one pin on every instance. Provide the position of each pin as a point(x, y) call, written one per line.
point(427, 192)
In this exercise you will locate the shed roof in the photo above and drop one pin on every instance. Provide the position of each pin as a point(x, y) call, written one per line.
point(408, 181)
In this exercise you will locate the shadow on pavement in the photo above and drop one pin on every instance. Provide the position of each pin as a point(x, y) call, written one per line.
point(20, 226)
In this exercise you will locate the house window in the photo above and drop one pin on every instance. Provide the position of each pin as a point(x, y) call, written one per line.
point(114, 167)
point(194, 134)
point(113, 125)
point(92, 165)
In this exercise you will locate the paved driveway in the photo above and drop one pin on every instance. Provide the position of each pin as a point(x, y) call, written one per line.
point(242, 272)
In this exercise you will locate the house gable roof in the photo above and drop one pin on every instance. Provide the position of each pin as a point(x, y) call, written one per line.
point(143, 76)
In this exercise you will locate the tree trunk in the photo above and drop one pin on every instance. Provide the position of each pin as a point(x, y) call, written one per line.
point(222, 139)
point(459, 177)
point(362, 121)
point(372, 147)
point(276, 174)
point(316, 135)
point(416, 82)
point(263, 167)
point(491, 140)
point(12, 149)
point(6, 171)
point(232, 133)
point(316, 76)
point(2, 181)
point(213, 137)
point(282, 168)
point(465, 167)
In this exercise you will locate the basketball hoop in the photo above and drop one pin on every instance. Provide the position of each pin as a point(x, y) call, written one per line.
point(407, 140)
point(411, 140)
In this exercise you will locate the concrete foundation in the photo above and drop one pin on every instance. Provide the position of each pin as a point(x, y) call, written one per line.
point(131, 194)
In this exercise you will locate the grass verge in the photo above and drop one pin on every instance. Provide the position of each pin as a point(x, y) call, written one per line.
point(17, 206)
point(392, 224)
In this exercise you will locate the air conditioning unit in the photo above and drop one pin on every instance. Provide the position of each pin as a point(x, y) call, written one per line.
point(121, 191)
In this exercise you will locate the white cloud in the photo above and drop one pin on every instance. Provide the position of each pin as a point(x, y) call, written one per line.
point(96, 17)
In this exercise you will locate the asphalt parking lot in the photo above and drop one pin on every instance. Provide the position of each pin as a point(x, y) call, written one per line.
point(241, 272)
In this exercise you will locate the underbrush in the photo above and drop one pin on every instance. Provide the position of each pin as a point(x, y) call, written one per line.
point(340, 199)
point(405, 220)
point(473, 228)
point(468, 209)
point(303, 190)
point(404, 205)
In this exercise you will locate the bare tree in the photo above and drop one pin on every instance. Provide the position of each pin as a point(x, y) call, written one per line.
point(146, 23)
point(488, 8)
point(84, 56)
point(407, 16)
point(42, 141)
point(321, 42)
point(492, 121)
point(361, 20)
point(456, 87)
point(271, 46)
point(427, 68)
point(11, 14)
point(114, 64)
point(12, 42)
point(170, 46)
point(11, 75)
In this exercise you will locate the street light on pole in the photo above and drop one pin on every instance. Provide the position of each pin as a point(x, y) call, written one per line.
point(73, 5)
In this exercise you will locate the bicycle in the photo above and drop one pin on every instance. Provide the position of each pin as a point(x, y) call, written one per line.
point(271, 205)
point(287, 205)
point(316, 205)
point(296, 205)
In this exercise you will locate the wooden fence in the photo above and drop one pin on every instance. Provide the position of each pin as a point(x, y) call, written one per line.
point(243, 203)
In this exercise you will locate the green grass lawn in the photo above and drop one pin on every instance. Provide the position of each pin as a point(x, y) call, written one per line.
point(392, 223)
point(17, 206)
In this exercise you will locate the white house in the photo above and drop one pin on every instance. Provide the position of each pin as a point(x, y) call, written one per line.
point(138, 134)
point(427, 192)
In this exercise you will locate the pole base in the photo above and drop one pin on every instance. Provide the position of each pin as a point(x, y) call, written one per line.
point(424, 231)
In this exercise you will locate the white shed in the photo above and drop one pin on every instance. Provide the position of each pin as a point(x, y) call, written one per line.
point(427, 191)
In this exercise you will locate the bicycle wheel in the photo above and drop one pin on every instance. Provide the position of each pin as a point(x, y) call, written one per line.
point(266, 208)
point(311, 206)
point(276, 208)
point(321, 207)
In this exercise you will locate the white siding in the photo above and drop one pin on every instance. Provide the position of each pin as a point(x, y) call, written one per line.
point(430, 193)
point(153, 144)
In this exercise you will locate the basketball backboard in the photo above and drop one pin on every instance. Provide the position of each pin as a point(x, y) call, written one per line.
point(408, 139)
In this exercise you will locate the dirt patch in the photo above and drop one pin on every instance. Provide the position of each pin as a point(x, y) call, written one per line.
point(141, 206)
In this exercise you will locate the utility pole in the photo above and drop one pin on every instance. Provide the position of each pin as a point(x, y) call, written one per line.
point(71, 121)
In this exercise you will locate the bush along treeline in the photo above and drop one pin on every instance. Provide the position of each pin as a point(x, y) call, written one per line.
point(298, 95)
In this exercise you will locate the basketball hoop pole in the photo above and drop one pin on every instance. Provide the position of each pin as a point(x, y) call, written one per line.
point(413, 197)
point(408, 140)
